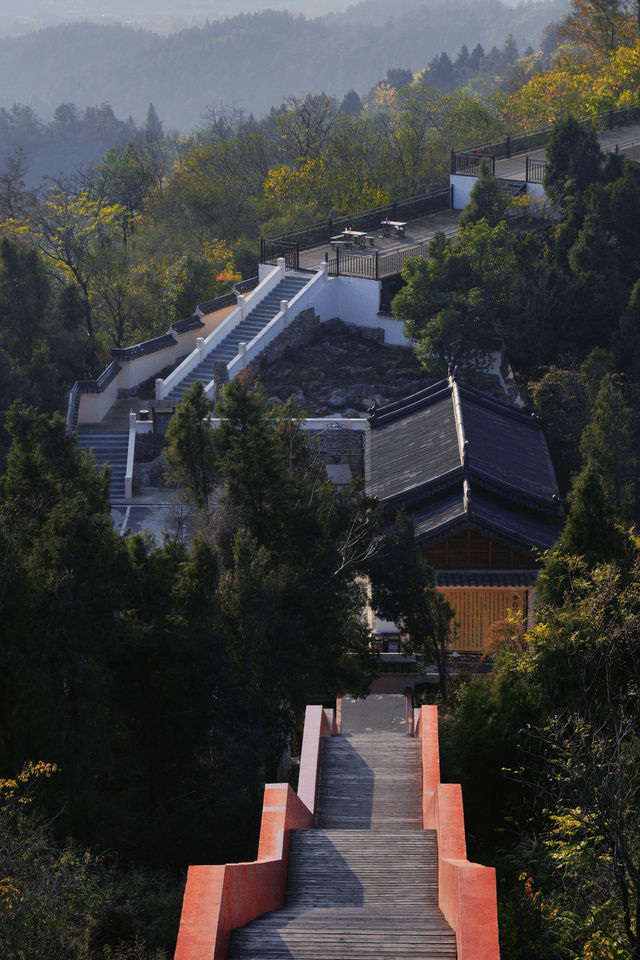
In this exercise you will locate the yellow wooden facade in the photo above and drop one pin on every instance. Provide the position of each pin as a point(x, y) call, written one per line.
point(476, 608)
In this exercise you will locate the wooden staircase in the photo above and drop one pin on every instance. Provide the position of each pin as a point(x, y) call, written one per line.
point(364, 884)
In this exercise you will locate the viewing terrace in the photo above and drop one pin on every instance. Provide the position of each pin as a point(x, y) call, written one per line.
point(522, 157)
point(358, 245)
point(383, 251)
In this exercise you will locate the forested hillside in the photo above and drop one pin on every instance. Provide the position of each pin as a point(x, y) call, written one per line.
point(252, 61)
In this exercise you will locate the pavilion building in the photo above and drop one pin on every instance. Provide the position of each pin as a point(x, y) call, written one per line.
point(475, 476)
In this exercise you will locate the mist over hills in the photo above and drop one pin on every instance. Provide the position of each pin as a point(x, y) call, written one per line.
point(253, 61)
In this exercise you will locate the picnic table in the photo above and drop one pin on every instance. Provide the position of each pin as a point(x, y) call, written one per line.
point(349, 236)
point(393, 226)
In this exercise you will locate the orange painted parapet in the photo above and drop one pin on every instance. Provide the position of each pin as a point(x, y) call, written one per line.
point(219, 898)
point(466, 891)
point(318, 723)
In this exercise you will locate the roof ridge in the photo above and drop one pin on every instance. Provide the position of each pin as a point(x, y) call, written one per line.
point(502, 406)
point(389, 411)
point(551, 505)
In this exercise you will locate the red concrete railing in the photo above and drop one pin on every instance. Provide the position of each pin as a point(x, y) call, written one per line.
point(466, 891)
point(221, 897)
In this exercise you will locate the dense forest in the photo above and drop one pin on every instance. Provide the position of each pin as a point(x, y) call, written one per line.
point(251, 61)
point(141, 683)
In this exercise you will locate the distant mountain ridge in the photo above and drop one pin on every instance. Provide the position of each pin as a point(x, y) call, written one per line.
point(252, 60)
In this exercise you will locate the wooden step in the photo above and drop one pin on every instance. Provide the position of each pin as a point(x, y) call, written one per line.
point(362, 885)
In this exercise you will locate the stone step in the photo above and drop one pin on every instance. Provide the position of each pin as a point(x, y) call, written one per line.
point(109, 447)
point(255, 321)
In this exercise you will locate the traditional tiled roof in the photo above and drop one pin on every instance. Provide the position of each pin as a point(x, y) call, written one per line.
point(455, 457)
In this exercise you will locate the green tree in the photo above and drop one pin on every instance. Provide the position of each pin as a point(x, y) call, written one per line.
point(573, 160)
point(608, 443)
point(191, 445)
point(459, 303)
point(403, 590)
point(488, 200)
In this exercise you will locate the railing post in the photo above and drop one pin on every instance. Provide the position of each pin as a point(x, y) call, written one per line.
point(242, 350)
point(377, 272)
point(453, 161)
point(262, 260)
point(200, 346)
point(282, 263)
point(297, 255)
point(284, 309)
point(159, 389)
point(337, 261)
point(493, 165)
point(451, 197)
point(526, 169)
point(242, 303)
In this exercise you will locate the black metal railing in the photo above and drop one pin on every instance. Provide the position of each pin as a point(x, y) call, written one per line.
point(375, 265)
point(289, 245)
point(470, 164)
point(461, 161)
point(535, 170)
point(271, 249)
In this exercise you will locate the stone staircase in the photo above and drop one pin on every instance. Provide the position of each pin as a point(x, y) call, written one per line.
point(109, 447)
point(364, 884)
point(244, 332)
point(513, 188)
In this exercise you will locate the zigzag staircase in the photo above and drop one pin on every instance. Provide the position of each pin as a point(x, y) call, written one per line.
point(255, 321)
point(363, 885)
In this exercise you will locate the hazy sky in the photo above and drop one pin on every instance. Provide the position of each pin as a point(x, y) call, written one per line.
point(160, 15)
point(163, 16)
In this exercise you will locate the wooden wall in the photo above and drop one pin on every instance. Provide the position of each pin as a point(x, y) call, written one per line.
point(477, 608)
point(469, 550)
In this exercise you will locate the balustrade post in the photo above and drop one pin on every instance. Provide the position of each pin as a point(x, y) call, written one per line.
point(453, 161)
point(337, 261)
point(159, 389)
point(242, 350)
point(526, 169)
point(200, 346)
point(242, 303)
point(284, 308)
point(282, 263)
point(377, 268)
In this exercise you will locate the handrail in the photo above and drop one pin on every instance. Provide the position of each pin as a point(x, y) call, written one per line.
point(221, 897)
point(466, 891)
point(268, 333)
point(218, 334)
